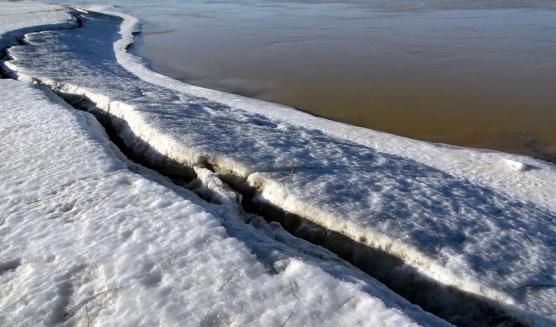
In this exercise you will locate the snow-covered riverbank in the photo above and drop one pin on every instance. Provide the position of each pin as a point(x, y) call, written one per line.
point(88, 238)
point(481, 222)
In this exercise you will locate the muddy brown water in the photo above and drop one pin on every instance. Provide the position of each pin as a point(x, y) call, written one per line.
point(470, 73)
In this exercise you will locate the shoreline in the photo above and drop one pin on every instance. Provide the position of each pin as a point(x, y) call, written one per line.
point(375, 150)
point(505, 108)
point(93, 238)
point(453, 158)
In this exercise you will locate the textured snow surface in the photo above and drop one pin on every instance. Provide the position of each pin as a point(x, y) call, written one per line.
point(92, 239)
point(17, 18)
point(463, 217)
point(484, 167)
point(475, 220)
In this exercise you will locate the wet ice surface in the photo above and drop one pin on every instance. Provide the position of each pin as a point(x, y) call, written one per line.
point(460, 233)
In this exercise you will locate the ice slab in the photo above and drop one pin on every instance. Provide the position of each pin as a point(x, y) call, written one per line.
point(89, 238)
point(459, 216)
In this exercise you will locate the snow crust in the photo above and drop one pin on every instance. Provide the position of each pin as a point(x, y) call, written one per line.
point(485, 167)
point(464, 217)
point(460, 216)
point(17, 18)
point(89, 238)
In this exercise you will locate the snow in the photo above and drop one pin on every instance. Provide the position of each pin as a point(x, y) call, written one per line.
point(472, 219)
point(18, 18)
point(463, 217)
point(516, 165)
point(89, 238)
point(487, 168)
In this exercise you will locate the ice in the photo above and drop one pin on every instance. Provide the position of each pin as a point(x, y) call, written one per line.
point(478, 166)
point(456, 215)
point(516, 165)
point(24, 17)
point(459, 216)
point(216, 191)
point(89, 238)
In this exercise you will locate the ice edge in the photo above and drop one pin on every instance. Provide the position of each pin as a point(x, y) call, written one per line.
point(276, 194)
point(268, 190)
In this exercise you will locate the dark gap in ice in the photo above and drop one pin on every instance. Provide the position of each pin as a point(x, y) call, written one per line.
point(454, 305)
point(21, 40)
point(4, 56)
point(9, 266)
point(177, 172)
point(3, 74)
point(78, 20)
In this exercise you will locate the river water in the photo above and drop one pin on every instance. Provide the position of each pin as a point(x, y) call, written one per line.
point(471, 73)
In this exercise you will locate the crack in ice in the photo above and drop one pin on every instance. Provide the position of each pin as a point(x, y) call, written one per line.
point(427, 222)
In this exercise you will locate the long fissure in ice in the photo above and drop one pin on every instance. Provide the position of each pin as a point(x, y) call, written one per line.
point(388, 267)
point(456, 306)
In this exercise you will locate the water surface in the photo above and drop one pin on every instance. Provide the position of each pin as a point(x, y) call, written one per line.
point(472, 73)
